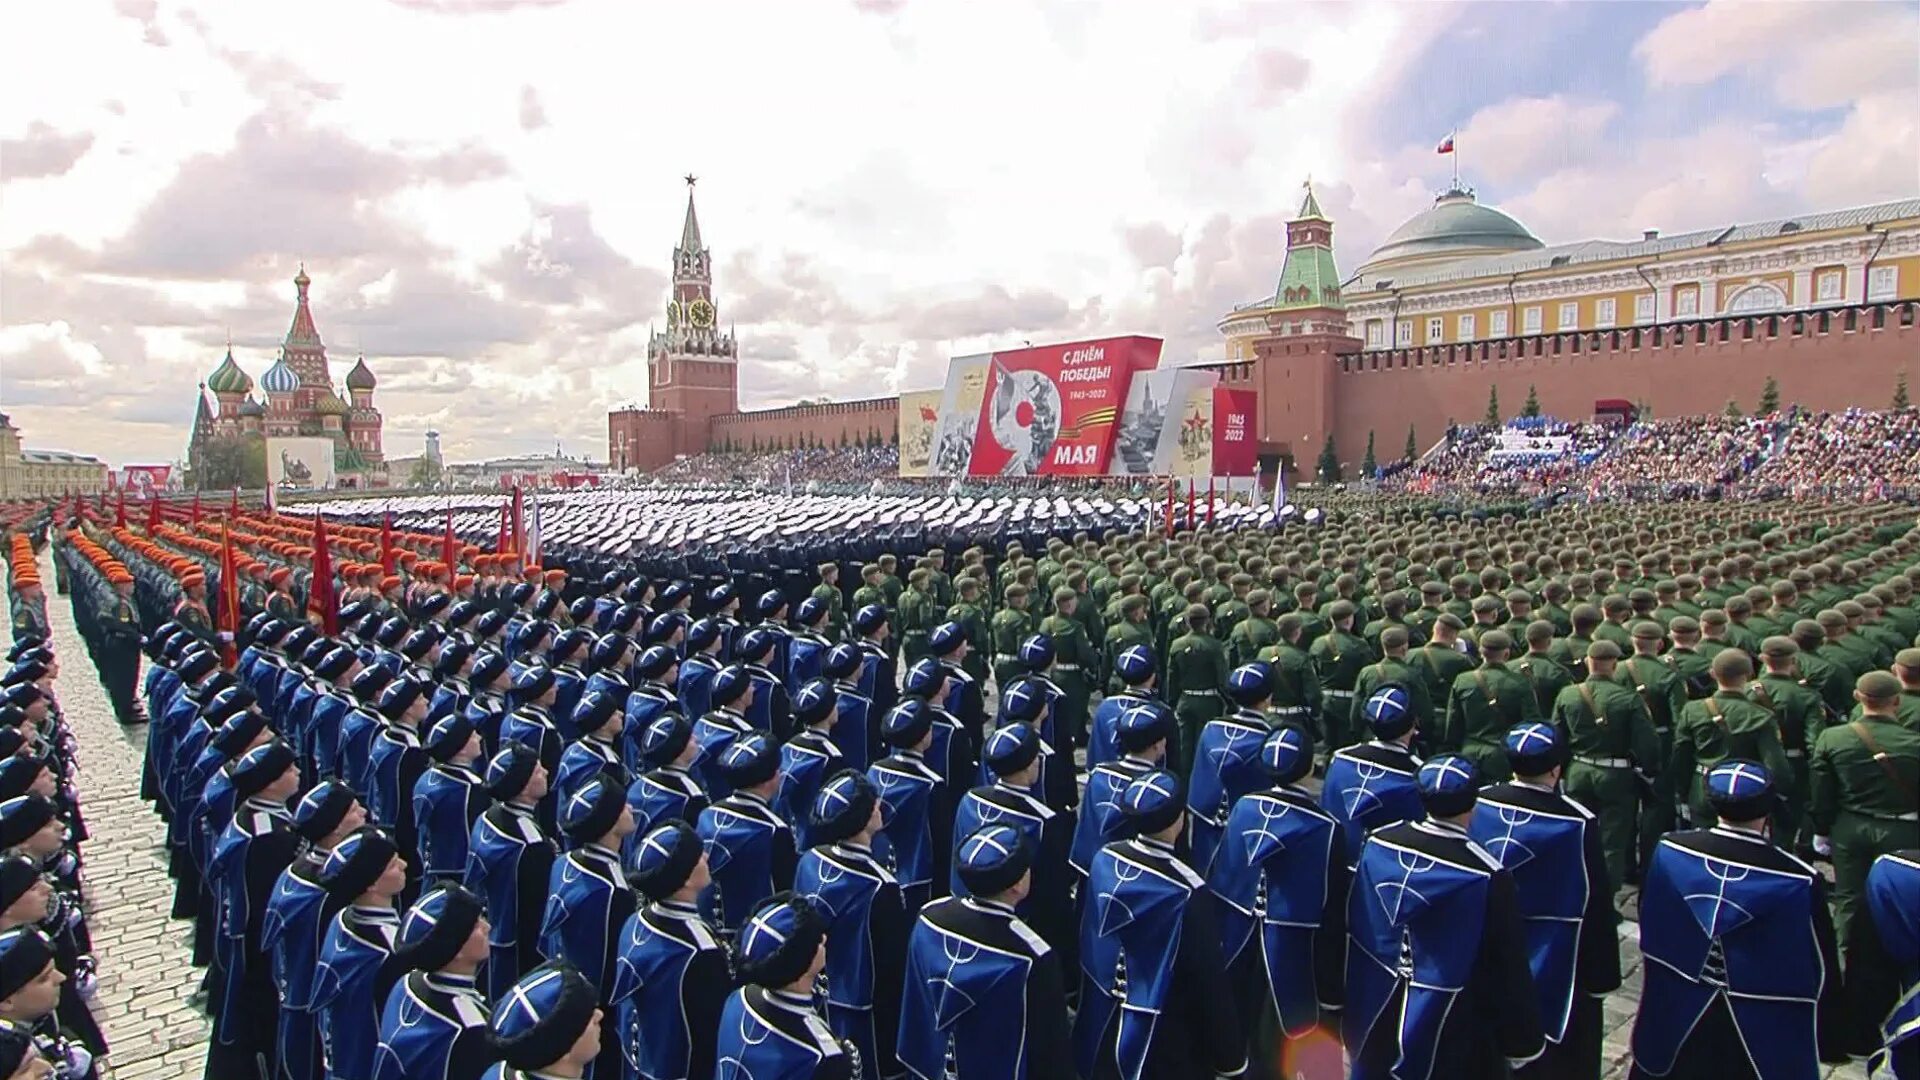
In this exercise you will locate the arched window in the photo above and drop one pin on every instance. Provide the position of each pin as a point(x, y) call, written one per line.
point(1756, 298)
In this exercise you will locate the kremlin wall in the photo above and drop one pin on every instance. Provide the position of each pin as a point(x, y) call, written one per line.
point(1460, 300)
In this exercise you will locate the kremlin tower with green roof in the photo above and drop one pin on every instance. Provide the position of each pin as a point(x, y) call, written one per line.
point(298, 399)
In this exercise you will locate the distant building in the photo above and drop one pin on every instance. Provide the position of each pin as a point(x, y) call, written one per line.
point(44, 474)
point(300, 401)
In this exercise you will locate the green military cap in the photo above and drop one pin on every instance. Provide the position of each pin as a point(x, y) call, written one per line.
point(1290, 624)
point(1449, 620)
point(1393, 637)
point(1779, 647)
point(1432, 588)
point(1496, 641)
point(1341, 609)
point(1485, 605)
point(1240, 581)
point(1831, 620)
point(1584, 613)
point(1540, 630)
point(1682, 624)
point(1603, 650)
point(1729, 664)
point(1850, 609)
point(1257, 597)
point(1688, 581)
point(1063, 594)
point(1519, 596)
point(1614, 602)
point(1460, 581)
point(1647, 631)
point(1739, 605)
point(1132, 604)
point(1908, 658)
point(1641, 596)
point(1016, 591)
point(1666, 587)
point(1877, 686)
point(1713, 617)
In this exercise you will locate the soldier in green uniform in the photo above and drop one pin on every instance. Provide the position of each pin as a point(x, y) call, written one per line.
point(119, 653)
point(1196, 673)
point(1906, 668)
point(1311, 624)
point(1296, 689)
point(828, 593)
point(918, 615)
point(1338, 658)
point(1254, 633)
point(1555, 610)
point(1432, 594)
point(1865, 802)
point(1614, 613)
point(1440, 661)
point(890, 581)
point(1129, 629)
point(280, 602)
point(1393, 612)
point(939, 585)
point(1801, 716)
point(1838, 648)
point(1075, 662)
point(29, 603)
point(1726, 725)
point(1614, 754)
point(1011, 626)
point(1484, 704)
point(1392, 669)
point(1713, 634)
point(1486, 616)
point(1540, 668)
point(966, 611)
point(1570, 652)
point(1229, 613)
point(191, 611)
point(870, 590)
point(1684, 657)
point(1741, 634)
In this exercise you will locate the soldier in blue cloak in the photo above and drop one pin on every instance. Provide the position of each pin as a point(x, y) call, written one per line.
point(1886, 964)
point(487, 709)
point(1742, 971)
point(607, 662)
point(509, 858)
point(750, 849)
point(298, 913)
point(771, 1028)
point(1033, 703)
point(588, 898)
point(1140, 737)
point(666, 789)
point(364, 876)
point(1438, 985)
point(451, 686)
point(962, 697)
point(807, 759)
point(324, 715)
point(569, 678)
point(531, 724)
point(856, 728)
point(396, 763)
point(1226, 761)
point(434, 1024)
point(448, 798)
point(723, 607)
point(807, 647)
point(1373, 784)
point(732, 693)
point(879, 667)
point(654, 673)
point(547, 1026)
point(670, 975)
point(358, 726)
point(916, 805)
point(953, 753)
point(1015, 757)
point(867, 921)
point(984, 996)
point(1150, 1006)
point(248, 859)
point(703, 660)
point(594, 751)
point(1281, 876)
point(1138, 672)
point(768, 709)
point(30, 983)
point(1551, 846)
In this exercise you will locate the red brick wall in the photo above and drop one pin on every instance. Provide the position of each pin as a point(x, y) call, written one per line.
point(851, 419)
point(641, 439)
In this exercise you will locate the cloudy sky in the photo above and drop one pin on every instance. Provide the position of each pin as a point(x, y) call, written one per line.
point(486, 192)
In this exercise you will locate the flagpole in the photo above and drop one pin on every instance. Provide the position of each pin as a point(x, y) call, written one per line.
point(1454, 140)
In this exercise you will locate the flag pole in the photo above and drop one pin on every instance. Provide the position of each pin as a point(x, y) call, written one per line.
point(1454, 140)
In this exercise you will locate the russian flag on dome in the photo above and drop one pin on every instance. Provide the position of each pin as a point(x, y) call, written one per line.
point(1446, 145)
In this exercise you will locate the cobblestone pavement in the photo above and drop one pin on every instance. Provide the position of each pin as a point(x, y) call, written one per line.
point(145, 974)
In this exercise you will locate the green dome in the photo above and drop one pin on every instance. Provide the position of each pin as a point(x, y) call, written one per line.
point(329, 404)
point(228, 378)
point(1454, 227)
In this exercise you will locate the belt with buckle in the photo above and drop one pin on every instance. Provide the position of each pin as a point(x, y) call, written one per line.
point(1336, 693)
point(1912, 816)
point(1796, 753)
point(1199, 693)
point(1604, 762)
point(1066, 667)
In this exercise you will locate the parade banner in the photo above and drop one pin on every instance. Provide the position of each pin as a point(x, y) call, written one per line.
point(1235, 433)
point(300, 463)
point(145, 479)
point(1149, 440)
point(1052, 410)
point(959, 412)
point(919, 423)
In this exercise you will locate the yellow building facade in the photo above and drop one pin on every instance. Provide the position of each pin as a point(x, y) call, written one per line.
point(1462, 272)
point(44, 474)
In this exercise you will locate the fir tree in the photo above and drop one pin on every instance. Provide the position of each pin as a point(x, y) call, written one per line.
point(1769, 398)
point(1492, 419)
point(1732, 411)
point(1532, 406)
point(1900, 391)
point(1413, 445)
point(1329, 466)
point(1367, 465)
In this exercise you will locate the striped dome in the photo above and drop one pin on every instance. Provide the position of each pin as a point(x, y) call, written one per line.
point(228, 378)
point(280, 379)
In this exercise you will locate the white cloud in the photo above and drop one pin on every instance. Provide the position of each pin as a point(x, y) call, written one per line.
point(1524, 136)
point(1811, 55)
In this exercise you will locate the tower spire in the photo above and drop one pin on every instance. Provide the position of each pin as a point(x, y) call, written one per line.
point(690, 231)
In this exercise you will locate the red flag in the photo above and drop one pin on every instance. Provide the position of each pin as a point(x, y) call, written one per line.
point(120, 510)
point(1192, 520)
point(227, 618)
point(1445, 147)
point(449, 552)
point(196, 508)
point(153, 513)
point(386, 544)
point(320, 599)
point(233, 509)
point(519, 523)
point(1169, 506)
point(1209, 502)
point(500, 545)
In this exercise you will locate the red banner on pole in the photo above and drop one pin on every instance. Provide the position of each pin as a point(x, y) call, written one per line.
point(153, 513)
point(1052, 410)
point(320, 598)
point(500, 545)
point(519, 523)
point(386, 544)
point(449, 552)
point(1235, 438)
point(227, 618)
point(1209, 502)
point(120, 509)
point(196, 508)
point(1192, 520)
point(1169, 506)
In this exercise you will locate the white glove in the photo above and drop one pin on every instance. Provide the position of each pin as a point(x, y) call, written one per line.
point(1685, 814)
point(1823, 845)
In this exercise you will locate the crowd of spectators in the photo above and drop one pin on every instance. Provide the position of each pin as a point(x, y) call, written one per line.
point(1852, 454)
point(774, 469)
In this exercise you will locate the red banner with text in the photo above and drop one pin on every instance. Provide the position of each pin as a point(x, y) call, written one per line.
point(1235, 432)
point(1052, 410)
